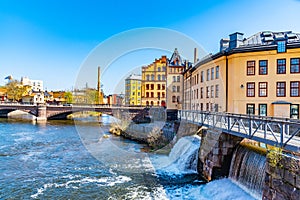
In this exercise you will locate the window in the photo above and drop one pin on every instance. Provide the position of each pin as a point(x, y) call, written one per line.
point(207, 92)
point(262, 109)
point(164, 69)
point(178, 88)
point(174, 78)
point(173, 88)
point(152, 86)
point(217, 91)
point(207, 75)
point(295, 89)
point(178, 99)
point(163, 77)
point(217, 72)
point(281, 47)
point(163, 86)
point(178, 78)
point(152, 77)
point(152, 94)
point(280, 89)
point(202, 77)
point(201, 93)
point(212, 74)
point(295, 62)
point(281, 69)
point(250, 109)
point(263, 67)
point(158, 86)
point(158, 95)
point(197, 78)
point(158, 69)
point(163, 95)
point(173, 99)
point(250, 89)
point(147, 86)
point(158, 77)
point(207, 106)
point(250, 68)
point(212, 91)
point(148, 77)
point(263, 89)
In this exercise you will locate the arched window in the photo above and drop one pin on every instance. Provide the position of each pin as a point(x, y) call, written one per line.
point(158, 77)
point(148, 77)
point(159, 69)
point(152, 77)
point(151, 103)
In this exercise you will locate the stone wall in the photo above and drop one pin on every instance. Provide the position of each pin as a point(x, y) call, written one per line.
point(215, 153)
point(282, 178)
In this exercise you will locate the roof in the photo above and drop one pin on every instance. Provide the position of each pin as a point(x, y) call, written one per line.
point(261, 41)
point(269, 38)
point(175, 59)
point(281, 102)
point(134, 77)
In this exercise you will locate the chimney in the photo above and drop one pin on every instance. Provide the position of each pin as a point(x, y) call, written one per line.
point(236, 39)
point(224, 44)
point(195, 55)
point(99, 84)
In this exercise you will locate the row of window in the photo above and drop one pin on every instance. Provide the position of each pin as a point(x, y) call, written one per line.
point(211, 74)
point(213, 107)
point(176, 78)
point(175, 99)
point(280, 89)
point(159, 95)
point(152, 77)
point(281, 66)
point(211, 92)
point(158, 86)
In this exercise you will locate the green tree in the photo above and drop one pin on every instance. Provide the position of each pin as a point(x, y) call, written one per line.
point(15, 90)
point(92, 96)
point(69, 97)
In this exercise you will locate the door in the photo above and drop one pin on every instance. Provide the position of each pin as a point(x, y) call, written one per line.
point(294, 111)
point(262, 109)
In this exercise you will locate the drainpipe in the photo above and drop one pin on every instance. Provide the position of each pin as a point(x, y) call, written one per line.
point(226, 93)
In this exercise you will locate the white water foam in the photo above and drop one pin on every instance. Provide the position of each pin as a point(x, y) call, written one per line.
point(182, 159)
point(74, 184)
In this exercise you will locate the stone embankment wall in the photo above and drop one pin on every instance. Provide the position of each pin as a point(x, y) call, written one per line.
point(282, 178)
point(215, 153)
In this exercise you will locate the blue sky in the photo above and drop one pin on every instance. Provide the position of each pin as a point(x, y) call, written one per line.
point(50, 40)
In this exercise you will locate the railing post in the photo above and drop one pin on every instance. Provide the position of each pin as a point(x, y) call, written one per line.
point(250, 126)
point(281, 134)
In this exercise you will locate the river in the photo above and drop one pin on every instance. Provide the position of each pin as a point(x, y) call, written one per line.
point(61, 160)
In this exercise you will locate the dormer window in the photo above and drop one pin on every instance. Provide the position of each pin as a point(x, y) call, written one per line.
point(281, 47)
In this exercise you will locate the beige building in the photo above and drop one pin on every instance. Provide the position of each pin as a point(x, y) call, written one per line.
point(259, 75)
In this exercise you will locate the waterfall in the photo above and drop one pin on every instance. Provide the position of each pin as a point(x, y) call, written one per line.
point(248, 170)
point(183, 157)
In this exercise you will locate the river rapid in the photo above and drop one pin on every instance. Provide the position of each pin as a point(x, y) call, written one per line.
point(63, 160)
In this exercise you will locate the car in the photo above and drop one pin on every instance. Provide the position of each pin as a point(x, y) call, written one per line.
point(67, 104)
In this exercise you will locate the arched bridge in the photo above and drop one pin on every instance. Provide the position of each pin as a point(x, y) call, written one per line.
point(61, 112)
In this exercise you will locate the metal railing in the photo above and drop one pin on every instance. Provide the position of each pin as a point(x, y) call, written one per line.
point(279, 132)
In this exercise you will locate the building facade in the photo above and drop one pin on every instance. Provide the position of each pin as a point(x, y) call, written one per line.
point(175, 67)
point(259, 75)
point(154, 83)
point(133, 90)
point(36, 85)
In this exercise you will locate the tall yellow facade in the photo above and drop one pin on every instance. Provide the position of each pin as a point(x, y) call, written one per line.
point(154, 83)
point(259, 75)
point(133, 90)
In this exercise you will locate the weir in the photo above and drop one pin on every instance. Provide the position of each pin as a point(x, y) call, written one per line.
point(264, 175)
point(248, 169)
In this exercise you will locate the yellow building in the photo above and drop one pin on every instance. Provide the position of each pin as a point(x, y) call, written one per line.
point(154, 83)
point(259, 75)
point(133, 90)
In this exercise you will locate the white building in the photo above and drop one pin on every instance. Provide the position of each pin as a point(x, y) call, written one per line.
point(36, 85)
